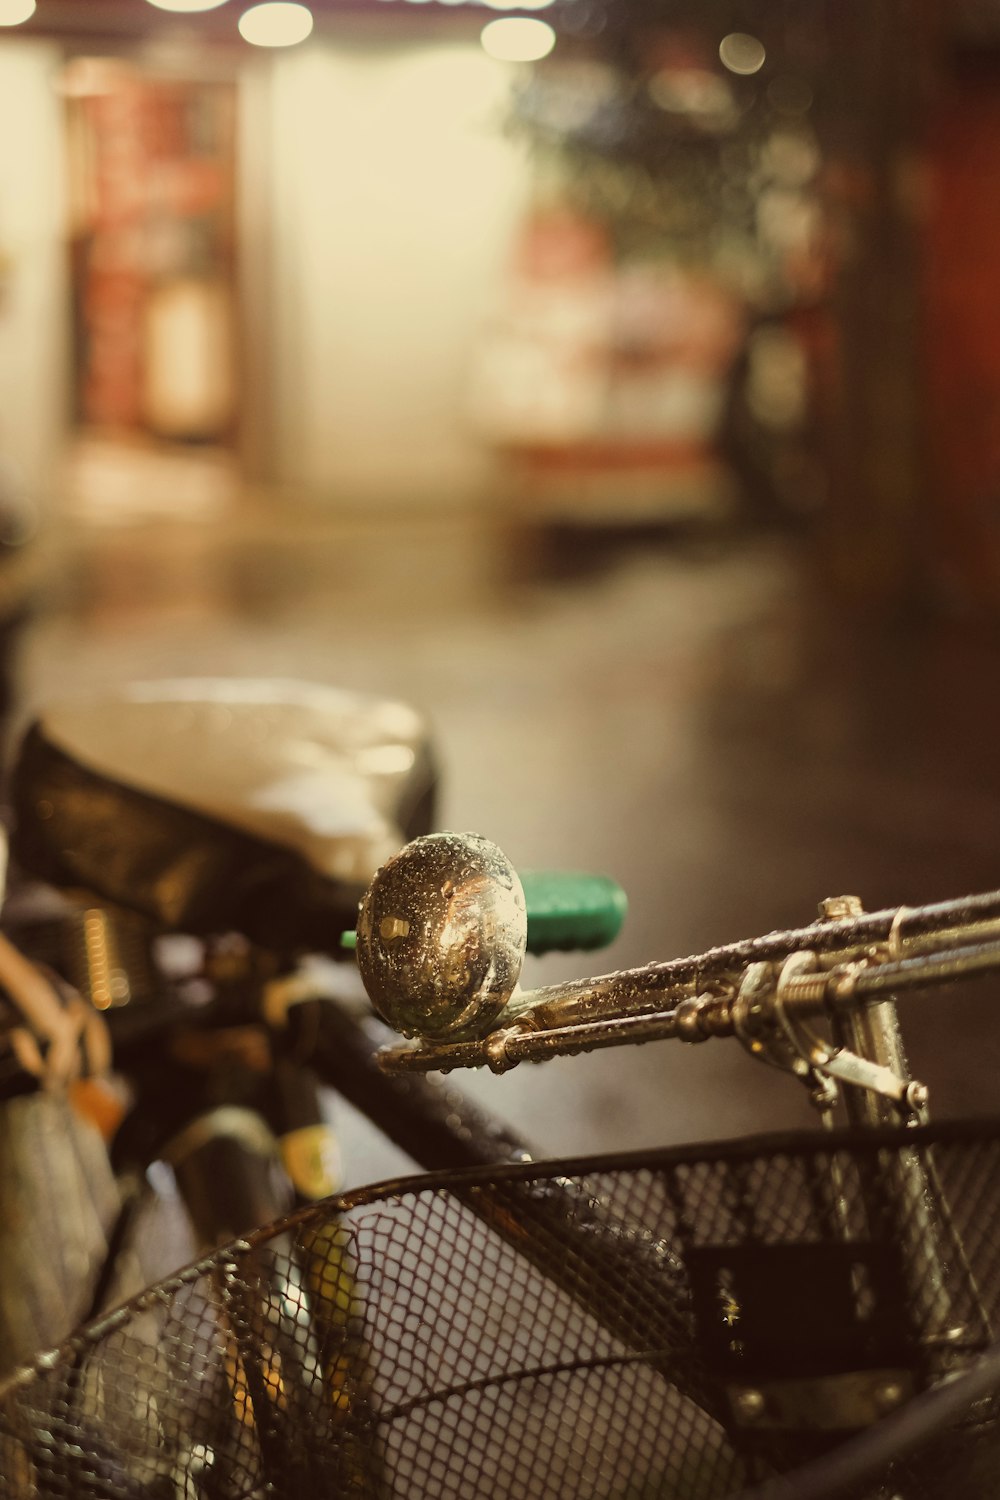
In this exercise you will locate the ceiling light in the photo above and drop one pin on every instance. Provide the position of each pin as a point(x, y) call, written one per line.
point(518, 39)
point(13, 12)
point(187, 6)
point(277, 23)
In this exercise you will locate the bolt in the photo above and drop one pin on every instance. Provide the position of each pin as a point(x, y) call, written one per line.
point(842, 984)
point(917, 1095)
point(393, 927)
point(748, 1405)
point(687, 1018)
point(833, 908)
point(495, 1048)
point(805, 988)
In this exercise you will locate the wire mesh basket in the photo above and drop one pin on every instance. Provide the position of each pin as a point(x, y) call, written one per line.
point(679, 1324)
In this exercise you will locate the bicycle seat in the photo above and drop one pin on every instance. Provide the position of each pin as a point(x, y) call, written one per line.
point(214, 805)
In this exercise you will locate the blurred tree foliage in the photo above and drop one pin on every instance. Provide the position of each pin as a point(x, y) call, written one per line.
point(647, 129)
point(797, 177)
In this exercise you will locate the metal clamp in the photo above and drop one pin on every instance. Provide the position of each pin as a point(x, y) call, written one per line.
point(766, 1023)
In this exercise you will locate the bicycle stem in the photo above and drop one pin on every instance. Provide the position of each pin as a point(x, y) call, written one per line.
point(868, 1037)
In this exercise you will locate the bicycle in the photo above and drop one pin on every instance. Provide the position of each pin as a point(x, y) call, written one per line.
point(180, 908)
point(143, 886)
point(812, 1314)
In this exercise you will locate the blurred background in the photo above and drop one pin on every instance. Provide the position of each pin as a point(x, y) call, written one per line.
point(616, 380)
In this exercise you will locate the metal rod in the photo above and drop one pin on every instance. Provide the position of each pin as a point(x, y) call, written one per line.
point(973, 920)
point(616, 1009)
point(823, 937)
point(924, 972)
point(502, 1050)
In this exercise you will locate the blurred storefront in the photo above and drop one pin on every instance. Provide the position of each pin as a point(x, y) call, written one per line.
point(693, 261)
point(603, 381)
point(380, 194)
point(151, 190)
point(34, 300)
point(287, 257)
point(352, 266)
point(960, 268)
point(387, 268)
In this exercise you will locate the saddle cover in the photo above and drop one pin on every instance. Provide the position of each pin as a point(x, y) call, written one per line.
point(214, 805)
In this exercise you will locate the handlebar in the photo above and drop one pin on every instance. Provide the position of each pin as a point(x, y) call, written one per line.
point(432, 923)
point(765, 991)
point(569, 911)
point(532, 1033)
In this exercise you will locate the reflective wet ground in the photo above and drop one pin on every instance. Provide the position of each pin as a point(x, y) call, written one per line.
point(682, 712)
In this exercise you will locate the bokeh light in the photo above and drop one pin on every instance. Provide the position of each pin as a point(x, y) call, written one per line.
point(742, 53)
point(704, 97)
point(14, 12)
point(277, 23)
point(186, 6)
point(518, 39)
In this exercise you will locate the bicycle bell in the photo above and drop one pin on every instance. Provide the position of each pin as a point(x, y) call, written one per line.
point(442, 932)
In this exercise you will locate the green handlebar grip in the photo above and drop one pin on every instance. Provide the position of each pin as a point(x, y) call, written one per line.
point(566, 912)
point(572, 912)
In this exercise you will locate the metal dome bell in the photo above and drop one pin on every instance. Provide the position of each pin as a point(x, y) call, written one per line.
point(442, 932)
